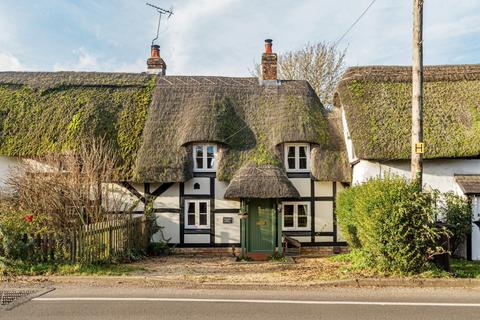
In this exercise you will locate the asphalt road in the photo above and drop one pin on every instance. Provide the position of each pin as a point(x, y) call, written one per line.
point(308, 303)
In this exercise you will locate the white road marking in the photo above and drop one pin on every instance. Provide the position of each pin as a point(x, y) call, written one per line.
point(311, 302)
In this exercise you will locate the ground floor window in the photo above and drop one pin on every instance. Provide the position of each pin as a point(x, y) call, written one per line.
point(197, 214)
point(296, 215)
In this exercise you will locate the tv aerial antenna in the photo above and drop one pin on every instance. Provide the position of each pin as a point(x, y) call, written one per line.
point(161, 12)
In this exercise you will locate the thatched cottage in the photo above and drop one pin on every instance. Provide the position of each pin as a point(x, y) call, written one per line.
point(375, 103)
point(227, 161)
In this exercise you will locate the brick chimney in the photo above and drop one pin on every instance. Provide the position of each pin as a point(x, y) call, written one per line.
point(269, 62)
point(155, 64)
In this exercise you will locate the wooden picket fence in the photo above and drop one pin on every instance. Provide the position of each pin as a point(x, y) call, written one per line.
point(93, 243)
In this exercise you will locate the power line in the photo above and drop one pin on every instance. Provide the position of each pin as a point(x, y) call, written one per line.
point(355, 22)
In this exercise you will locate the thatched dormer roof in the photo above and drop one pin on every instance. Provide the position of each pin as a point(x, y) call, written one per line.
point(260, 182)
point(377, 104)
point(153, 121)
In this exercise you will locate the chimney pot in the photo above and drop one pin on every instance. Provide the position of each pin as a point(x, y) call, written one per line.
point(155, 52)
point(155, 64)
point(268, 45)
point(269, 63)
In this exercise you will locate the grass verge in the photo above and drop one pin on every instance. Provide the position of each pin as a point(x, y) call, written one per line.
point(18, 268)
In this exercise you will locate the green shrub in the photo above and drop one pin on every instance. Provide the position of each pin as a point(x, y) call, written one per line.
point(346, 216)
point(391, 224)
point(14, 228)
point(456, 211)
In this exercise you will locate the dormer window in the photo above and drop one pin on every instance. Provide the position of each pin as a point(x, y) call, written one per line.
point(297, 157)
point(204, 157)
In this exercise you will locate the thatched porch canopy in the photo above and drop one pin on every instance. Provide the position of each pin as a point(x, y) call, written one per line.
point(260, 182)
point(377, 104)
point(470, 184)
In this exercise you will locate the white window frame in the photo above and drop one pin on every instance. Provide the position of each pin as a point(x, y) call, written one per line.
point(295, 216)
point(297, 156)
point(197, 225)
point(204, 169)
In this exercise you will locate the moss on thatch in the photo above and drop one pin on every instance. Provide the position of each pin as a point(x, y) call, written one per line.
point(53, 112)
point(260, 181)
point(377, 104)
point(330, 163)
point(248, 120)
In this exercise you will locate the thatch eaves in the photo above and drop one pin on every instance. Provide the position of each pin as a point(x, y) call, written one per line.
point(377, 104)
point(261, 182)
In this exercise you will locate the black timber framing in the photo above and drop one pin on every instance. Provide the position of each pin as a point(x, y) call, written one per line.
point(299, 175)
point(312, 209)
point(161, 189)
point(204, 175)
point(212, 210)
point(309, 198)
point(308, 233)
point(182, 215)
point(334, 192)
point(133, 191)
point(197, 231)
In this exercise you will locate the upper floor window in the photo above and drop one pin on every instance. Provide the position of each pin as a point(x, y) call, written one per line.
point(297, 157)
point(197, 214)
point(296, 216)
point(204, 157)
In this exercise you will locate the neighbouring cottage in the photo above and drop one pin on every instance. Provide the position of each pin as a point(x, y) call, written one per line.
point(226, 162)
point(375, 103)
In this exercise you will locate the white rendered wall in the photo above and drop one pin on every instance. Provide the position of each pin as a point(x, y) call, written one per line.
point(171, 226)
point(437, 174)
point(226, 232)
point(6, 165)
point(476, 229)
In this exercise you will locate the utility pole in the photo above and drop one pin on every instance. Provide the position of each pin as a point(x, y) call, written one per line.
point(417, 95)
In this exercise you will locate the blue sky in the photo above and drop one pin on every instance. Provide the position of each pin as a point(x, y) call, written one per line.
point(225, 37)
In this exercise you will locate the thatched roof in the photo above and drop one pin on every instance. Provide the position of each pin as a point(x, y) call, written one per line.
point(377, 104)
point(331, 163)
point(152, 122)
point(44, 112)
point(470, 184)
point(260, 181)
point(248, 119)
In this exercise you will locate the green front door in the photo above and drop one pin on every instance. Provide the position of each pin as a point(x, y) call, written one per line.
point(261, 225)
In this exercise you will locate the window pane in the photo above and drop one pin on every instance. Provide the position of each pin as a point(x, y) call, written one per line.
point(288, 210)
point(209, 163)
point(203, 207)
point(302, 151)
point(291, 163)
point(302, 222)
point(191, 207)
point(302, 210)
point(288, 221)
point(302, 216)
point(191, 219)
point(210, 150)
point(203, 219)
point(288, 215)
point(302, 163)
point(199, 151)
point(199, 162)
point(291, 152)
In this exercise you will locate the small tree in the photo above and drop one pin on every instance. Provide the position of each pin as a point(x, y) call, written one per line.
point(69, 187)
point(321, 64)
